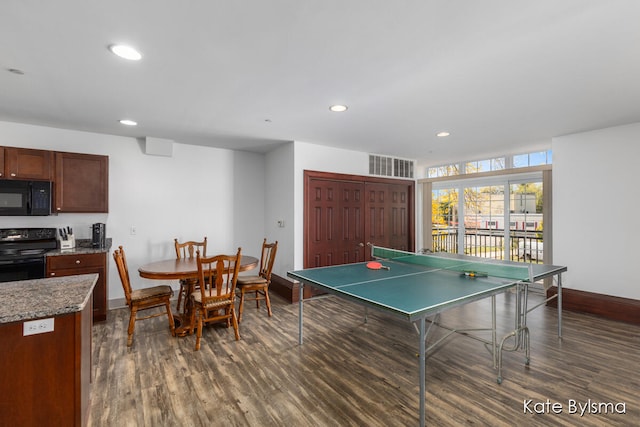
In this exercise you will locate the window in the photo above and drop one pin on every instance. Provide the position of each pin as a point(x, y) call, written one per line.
point(498, 217)
point(487, 165)
point(537, 158)
point(526, 210)
point(444, 213)
point(446, 170)
point(532, 159)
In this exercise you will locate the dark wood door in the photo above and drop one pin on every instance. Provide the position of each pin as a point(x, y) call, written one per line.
point(335, 224)
point(387, 215)
point(345, 212)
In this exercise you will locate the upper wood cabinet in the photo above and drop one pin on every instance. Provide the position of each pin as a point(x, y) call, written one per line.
point(26, 163)
point(81, 183)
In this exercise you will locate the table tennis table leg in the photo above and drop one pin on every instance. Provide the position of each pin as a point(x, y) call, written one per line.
point(520, 332)
point(559, 305)
point(300, 303)
point(423, 379)
point(493, 331)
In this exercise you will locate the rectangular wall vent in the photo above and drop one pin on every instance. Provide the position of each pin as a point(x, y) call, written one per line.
point(390, 166)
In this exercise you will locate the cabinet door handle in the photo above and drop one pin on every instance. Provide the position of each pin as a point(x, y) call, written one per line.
point(13, 174)
point(53, 274)
point(77, 261)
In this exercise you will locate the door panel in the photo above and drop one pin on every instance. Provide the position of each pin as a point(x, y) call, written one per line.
point(350, 223)
point(334, 211)
point(388, 216)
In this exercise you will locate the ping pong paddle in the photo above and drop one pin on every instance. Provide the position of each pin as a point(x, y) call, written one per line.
point(375, 265)
point(471, 273)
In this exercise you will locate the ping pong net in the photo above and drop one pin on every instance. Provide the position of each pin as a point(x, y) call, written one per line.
point(463, 265)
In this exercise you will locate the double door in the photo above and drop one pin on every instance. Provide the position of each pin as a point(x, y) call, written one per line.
point(344, 213)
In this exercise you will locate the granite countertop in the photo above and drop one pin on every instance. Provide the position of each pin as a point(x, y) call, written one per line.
point(83, 246)
point(38, 298)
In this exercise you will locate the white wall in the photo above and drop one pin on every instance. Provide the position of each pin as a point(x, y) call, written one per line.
point(279, 205)
point(197, 192)
point(595, 191)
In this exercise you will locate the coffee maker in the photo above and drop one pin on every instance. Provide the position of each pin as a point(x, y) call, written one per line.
point(99, 235)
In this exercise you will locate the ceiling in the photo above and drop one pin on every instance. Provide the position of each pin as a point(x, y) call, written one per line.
point(501, 76)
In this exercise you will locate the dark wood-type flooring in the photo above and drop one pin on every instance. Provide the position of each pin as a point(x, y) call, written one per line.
point(351, 373)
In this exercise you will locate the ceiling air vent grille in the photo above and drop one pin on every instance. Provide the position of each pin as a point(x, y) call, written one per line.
point(390, 166)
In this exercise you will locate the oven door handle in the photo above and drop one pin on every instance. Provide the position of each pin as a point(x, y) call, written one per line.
point(22, 261)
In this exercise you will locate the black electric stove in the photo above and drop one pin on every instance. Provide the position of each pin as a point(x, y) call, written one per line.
point(22, 252)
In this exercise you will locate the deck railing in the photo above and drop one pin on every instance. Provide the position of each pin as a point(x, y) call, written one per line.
point(489, 243)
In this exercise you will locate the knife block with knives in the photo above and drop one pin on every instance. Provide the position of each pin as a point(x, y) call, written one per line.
point(67, 239)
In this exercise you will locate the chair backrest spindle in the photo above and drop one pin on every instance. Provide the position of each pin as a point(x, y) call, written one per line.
point(123, 271)
point(218, 275)
point(267, 258)
point(188, 249)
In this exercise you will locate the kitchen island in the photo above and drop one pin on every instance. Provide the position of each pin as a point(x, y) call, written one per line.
point(45, 362)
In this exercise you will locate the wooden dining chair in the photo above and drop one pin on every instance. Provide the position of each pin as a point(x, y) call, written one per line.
point(187, 250)
point(143, 298)
point(215, 301)
point(258, 284)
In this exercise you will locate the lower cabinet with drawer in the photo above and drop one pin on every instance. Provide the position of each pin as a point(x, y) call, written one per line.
point(72, 264)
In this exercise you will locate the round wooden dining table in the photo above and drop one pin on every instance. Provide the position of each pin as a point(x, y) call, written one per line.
point(184, 269)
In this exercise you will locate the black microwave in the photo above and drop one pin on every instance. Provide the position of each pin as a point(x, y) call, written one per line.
point(25, 198)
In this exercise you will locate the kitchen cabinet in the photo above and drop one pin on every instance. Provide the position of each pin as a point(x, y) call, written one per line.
point(26, 163)
point(88, 263)
point(81, 183)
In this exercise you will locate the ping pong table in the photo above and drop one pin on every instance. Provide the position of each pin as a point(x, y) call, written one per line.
point(418, 286)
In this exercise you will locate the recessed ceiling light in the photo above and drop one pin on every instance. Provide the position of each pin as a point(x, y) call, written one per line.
point(126, 52)
point(338, 108)
point(442, 134)
point(128, 122)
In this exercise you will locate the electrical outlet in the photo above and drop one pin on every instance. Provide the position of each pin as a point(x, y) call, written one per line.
point(39, 326)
